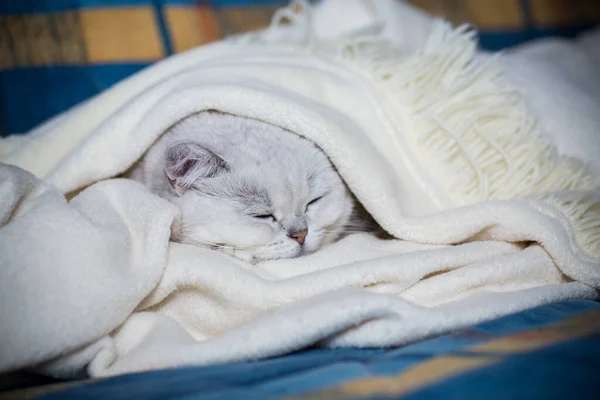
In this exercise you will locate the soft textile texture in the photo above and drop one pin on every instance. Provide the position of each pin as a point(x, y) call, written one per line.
point(436, 143)
point(545, 340)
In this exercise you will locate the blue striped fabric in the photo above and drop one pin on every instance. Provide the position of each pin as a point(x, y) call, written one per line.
point(551, 352)
point(33, 90)
point(57, 53)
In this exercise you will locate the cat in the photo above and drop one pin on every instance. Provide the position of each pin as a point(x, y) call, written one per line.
point(249, 188)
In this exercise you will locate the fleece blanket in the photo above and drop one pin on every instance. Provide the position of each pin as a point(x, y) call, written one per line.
point(491, 212)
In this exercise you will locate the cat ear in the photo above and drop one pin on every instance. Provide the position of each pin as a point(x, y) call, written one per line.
point(187, 162)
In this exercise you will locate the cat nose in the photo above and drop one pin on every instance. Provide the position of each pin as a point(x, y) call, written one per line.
point(299, 236)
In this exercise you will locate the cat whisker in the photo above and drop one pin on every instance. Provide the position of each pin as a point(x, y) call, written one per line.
point(345, 231)
point(213, 245)
point(202, 243)
point(263, 250)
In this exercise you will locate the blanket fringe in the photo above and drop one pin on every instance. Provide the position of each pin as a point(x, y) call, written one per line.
point(471, 127)
point(582, 209)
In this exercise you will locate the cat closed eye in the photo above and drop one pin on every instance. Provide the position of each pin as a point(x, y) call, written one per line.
point(313, 201)
point(265, 217)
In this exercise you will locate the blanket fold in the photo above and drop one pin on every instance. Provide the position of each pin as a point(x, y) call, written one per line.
point(489, 215)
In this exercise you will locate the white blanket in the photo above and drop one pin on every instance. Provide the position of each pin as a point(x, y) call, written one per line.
point(493, 213)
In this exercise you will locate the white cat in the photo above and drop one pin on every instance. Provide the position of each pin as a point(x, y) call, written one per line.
point(246, 187)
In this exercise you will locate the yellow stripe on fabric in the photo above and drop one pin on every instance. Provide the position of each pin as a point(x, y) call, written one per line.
point(494, 14)
point(244, 19)
point(31, 393)
point(41, 40)
point(534, 339)
point(486, 14)
point(191, 26)
point(124, 34)
point(549, 12)
point(477, 356)
point(416, 377)
point(552, 13)
point(209, 23)
point(453, 11)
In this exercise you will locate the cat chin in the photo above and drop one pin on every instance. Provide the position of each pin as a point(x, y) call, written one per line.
point(287, 251)
point(258, 257)
point(255, 259)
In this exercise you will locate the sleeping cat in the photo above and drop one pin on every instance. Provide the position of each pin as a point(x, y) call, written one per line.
point(249, 188)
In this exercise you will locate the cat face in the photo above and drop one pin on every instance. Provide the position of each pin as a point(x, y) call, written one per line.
point(255, 194)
